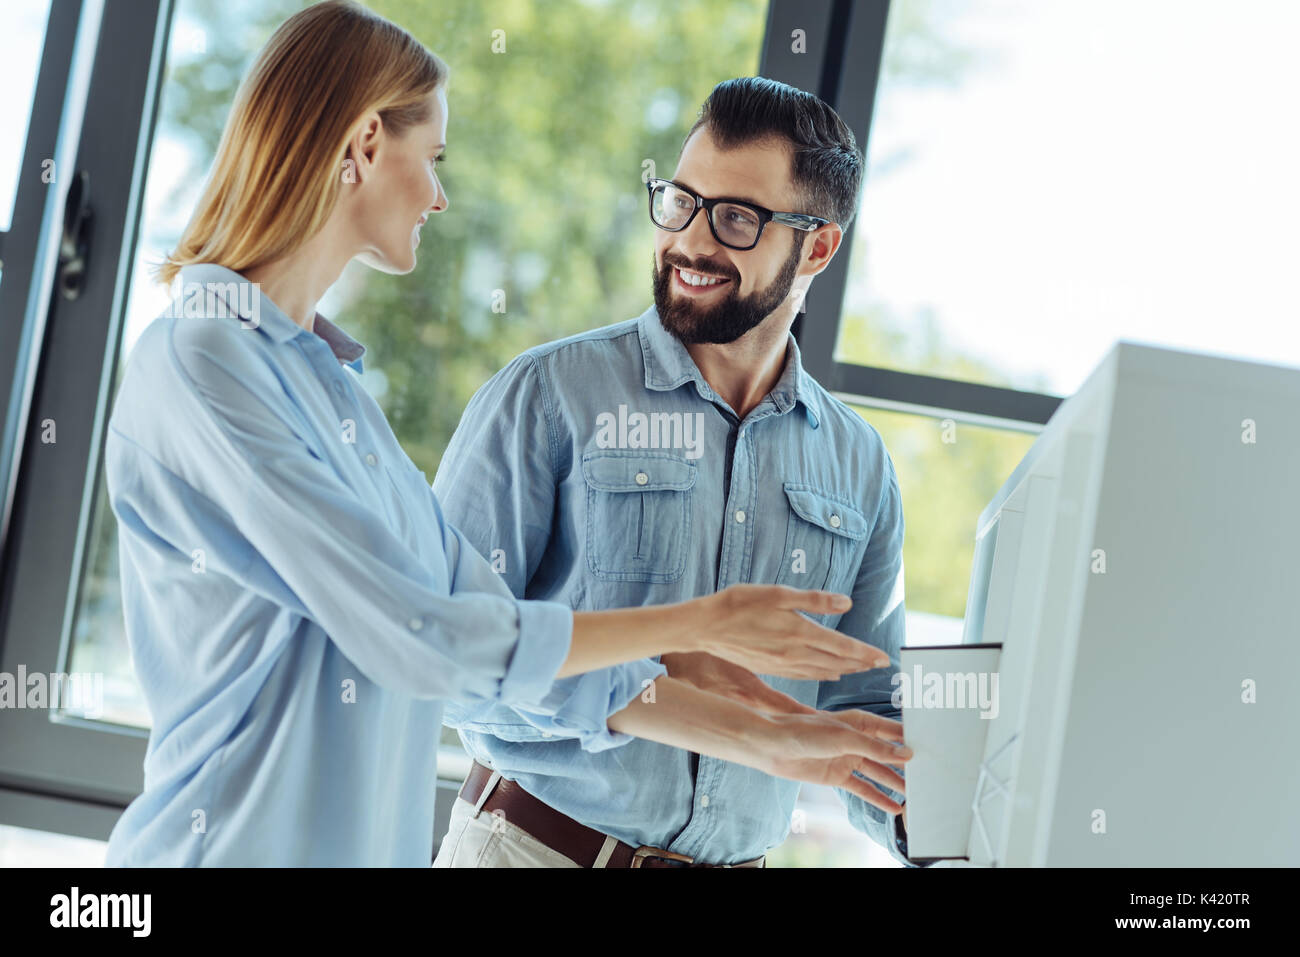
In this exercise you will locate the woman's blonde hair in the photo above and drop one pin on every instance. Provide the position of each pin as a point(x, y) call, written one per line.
point(278, 168)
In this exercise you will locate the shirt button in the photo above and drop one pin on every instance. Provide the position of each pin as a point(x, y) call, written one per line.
point(740, 515)
point(370, 459)
point(415, 624)
point(835, 521)
point(642, 478)
point(704, 800)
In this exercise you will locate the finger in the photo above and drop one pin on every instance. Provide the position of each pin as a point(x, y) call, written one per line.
point(882, 775)
point(865, 656)
point(810, 600)
point(874, 724)
point(796, 669)
point(868, 793)
point(886, 752)
point(861, 657)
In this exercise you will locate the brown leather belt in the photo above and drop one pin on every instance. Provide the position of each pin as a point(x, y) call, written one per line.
point(561, 833)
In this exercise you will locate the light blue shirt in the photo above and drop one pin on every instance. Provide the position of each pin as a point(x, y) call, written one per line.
point(297, 607)
point(603, 471)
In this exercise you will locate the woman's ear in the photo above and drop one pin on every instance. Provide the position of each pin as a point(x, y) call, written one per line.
point(362, 147)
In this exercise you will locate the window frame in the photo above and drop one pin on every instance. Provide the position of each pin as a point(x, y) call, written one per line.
point(58, 774)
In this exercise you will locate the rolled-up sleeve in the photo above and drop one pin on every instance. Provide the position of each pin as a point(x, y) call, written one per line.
point(497, 485)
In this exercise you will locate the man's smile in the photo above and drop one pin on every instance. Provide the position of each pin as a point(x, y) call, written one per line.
point(696, 283)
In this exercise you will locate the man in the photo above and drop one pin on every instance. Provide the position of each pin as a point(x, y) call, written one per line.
point(667, 457)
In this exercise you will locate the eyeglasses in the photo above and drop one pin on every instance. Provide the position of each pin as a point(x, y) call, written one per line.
point(735, 225)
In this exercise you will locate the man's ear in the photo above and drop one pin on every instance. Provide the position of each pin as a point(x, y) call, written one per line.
point(825, 243)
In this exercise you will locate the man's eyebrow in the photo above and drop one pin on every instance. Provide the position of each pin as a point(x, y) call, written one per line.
point(726, 199)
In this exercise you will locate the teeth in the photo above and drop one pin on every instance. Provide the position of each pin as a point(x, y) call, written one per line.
point(695, 279)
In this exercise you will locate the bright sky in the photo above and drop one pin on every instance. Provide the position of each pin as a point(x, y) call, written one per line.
point(1109, 169)
point(20, 53)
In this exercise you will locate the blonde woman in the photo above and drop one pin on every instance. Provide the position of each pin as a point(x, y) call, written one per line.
point(297, 608)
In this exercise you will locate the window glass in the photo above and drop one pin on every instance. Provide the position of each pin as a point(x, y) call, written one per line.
point(21, 43)
point(1047, 176)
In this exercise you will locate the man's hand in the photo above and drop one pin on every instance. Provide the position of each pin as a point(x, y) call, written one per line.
point(808, 748)
point(711, 673)
point(823, 747)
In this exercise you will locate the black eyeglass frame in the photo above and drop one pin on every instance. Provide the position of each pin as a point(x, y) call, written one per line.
point(801, 221)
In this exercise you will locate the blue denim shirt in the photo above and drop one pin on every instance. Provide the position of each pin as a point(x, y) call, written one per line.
point(297, 607)
point(602, 471)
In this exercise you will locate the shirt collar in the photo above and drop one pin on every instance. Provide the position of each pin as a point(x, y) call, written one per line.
point(668, 365)
point(271, 322)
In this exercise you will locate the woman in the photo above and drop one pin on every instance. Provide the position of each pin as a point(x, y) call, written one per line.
point(296, 606)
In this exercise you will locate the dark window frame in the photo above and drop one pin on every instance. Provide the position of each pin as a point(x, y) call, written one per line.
point(69, 775)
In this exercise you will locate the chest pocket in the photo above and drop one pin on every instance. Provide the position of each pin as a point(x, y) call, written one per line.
point(638, 514)
point(822, 539)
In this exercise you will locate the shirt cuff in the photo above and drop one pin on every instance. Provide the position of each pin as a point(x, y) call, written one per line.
point(630, 680)
point(545, 635)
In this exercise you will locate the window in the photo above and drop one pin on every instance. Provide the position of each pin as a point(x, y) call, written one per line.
point(20, 49)
point(1046, 177)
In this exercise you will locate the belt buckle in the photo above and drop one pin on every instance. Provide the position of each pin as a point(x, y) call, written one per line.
point(644, 851)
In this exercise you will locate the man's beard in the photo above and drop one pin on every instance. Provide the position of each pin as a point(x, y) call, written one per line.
point(729, 319)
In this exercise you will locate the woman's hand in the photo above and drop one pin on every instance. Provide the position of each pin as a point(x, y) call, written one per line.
point(759, 628)
point(755, 626)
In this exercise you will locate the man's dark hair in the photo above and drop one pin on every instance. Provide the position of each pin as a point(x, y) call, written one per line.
point(827, 168)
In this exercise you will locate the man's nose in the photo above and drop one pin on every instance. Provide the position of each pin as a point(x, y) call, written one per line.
point(697, 240)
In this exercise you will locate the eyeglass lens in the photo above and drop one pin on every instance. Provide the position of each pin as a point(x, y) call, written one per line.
point(734, 224)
